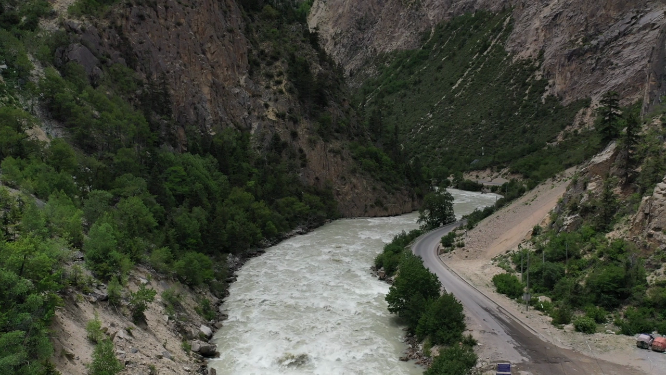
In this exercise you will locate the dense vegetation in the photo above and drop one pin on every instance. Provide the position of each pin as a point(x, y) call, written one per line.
point(461, 102)
point(114, 188)
point(435, 318)
point(591, 278)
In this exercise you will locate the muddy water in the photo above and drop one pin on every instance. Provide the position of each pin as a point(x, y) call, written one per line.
point(311, 306)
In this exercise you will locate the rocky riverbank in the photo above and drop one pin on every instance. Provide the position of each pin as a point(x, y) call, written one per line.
point(175, 338)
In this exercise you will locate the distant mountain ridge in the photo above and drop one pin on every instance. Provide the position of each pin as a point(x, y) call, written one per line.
point(588, 47)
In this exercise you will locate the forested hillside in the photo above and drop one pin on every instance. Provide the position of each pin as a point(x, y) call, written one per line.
point(100, 152)
point(601, 256)
point(462, 102)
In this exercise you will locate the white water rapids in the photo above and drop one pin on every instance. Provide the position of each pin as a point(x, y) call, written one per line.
point(310, 305)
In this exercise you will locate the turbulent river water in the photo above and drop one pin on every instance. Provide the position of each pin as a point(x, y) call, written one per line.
point(310, 305)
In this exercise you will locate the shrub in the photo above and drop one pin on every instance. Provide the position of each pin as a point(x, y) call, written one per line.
point(194, 268)
point(94, 330)
point(161, 259)
point(454, 360)
point(585, 325)
point(469, 340)
point(206, 309)
point(443, 321)
point(508, 284)
point(139, 301)
point(545, 306)
point(104, 361)
point(114, 290)
point(637, 320)
point(596, 313)
point(448, 240)
point(561, 315)
point(172, 300)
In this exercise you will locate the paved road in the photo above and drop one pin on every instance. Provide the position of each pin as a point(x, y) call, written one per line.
point(511, 340)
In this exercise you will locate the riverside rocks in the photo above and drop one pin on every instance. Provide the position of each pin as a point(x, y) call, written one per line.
point(206, 331)
point(415, 352)
point(205, 349)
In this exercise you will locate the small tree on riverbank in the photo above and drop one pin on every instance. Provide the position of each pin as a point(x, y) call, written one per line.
point(443, 321)
point(412, 291)
point(437, 210)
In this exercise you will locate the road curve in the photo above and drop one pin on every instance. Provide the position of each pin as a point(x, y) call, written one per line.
point(510, 339)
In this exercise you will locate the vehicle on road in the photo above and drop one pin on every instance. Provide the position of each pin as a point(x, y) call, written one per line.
point(659, 344)
point(644, 340)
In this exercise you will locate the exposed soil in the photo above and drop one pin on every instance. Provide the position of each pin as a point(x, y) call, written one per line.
point(503, 232)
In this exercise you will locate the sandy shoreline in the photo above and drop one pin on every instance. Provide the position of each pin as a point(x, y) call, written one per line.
point(504, 231)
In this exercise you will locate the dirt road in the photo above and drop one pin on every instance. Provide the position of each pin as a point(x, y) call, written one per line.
point(509, 339)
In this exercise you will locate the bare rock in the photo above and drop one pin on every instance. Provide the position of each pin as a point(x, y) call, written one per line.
point(68, 354)
point(205, 349)
point(80, 54)
point(206, 331)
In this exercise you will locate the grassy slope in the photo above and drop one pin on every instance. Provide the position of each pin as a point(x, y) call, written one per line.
point(462, 102)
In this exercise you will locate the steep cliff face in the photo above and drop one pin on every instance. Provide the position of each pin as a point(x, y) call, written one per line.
point(199, 53)
point(588, 47)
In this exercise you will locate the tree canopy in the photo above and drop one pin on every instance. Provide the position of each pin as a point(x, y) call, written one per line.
point(437, 210)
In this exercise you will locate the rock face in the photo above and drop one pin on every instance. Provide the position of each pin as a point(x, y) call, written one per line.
point(206, 331)
point(196, 51)
point(588, 47)
point(205, 349)
point(650, 221)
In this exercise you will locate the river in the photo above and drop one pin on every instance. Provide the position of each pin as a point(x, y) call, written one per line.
point(310, 304)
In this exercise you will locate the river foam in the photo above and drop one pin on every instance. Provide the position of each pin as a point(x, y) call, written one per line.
point(310, 305)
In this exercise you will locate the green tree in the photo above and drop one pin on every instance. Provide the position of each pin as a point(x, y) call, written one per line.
point(443, 321)
point(104, 361)
point(61, 156)
point(508, 284)
point(409, 295)
point(101, 250)
point(24, 308)
point(95, 205)
point(14, 141)
point(437, 210)
point(194, 268)
point(139, 300)
point(454, 360)
point(115, 291)
point(609, 114)
point(63, 218)
point(631, 139)
point(607, 205)
point(134, 218)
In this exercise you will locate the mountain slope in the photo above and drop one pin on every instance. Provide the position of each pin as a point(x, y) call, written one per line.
point(588, 48)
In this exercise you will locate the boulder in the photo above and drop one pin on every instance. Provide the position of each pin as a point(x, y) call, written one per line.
point(212, 371)
point(80, 54)
point(203, 348)
point(100, 295)
point(206, 331)
point(219, 325)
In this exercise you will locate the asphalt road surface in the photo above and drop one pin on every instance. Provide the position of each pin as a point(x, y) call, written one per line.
point(509, 339)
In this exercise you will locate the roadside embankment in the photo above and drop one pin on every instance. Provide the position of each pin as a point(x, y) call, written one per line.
point(504, 231)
